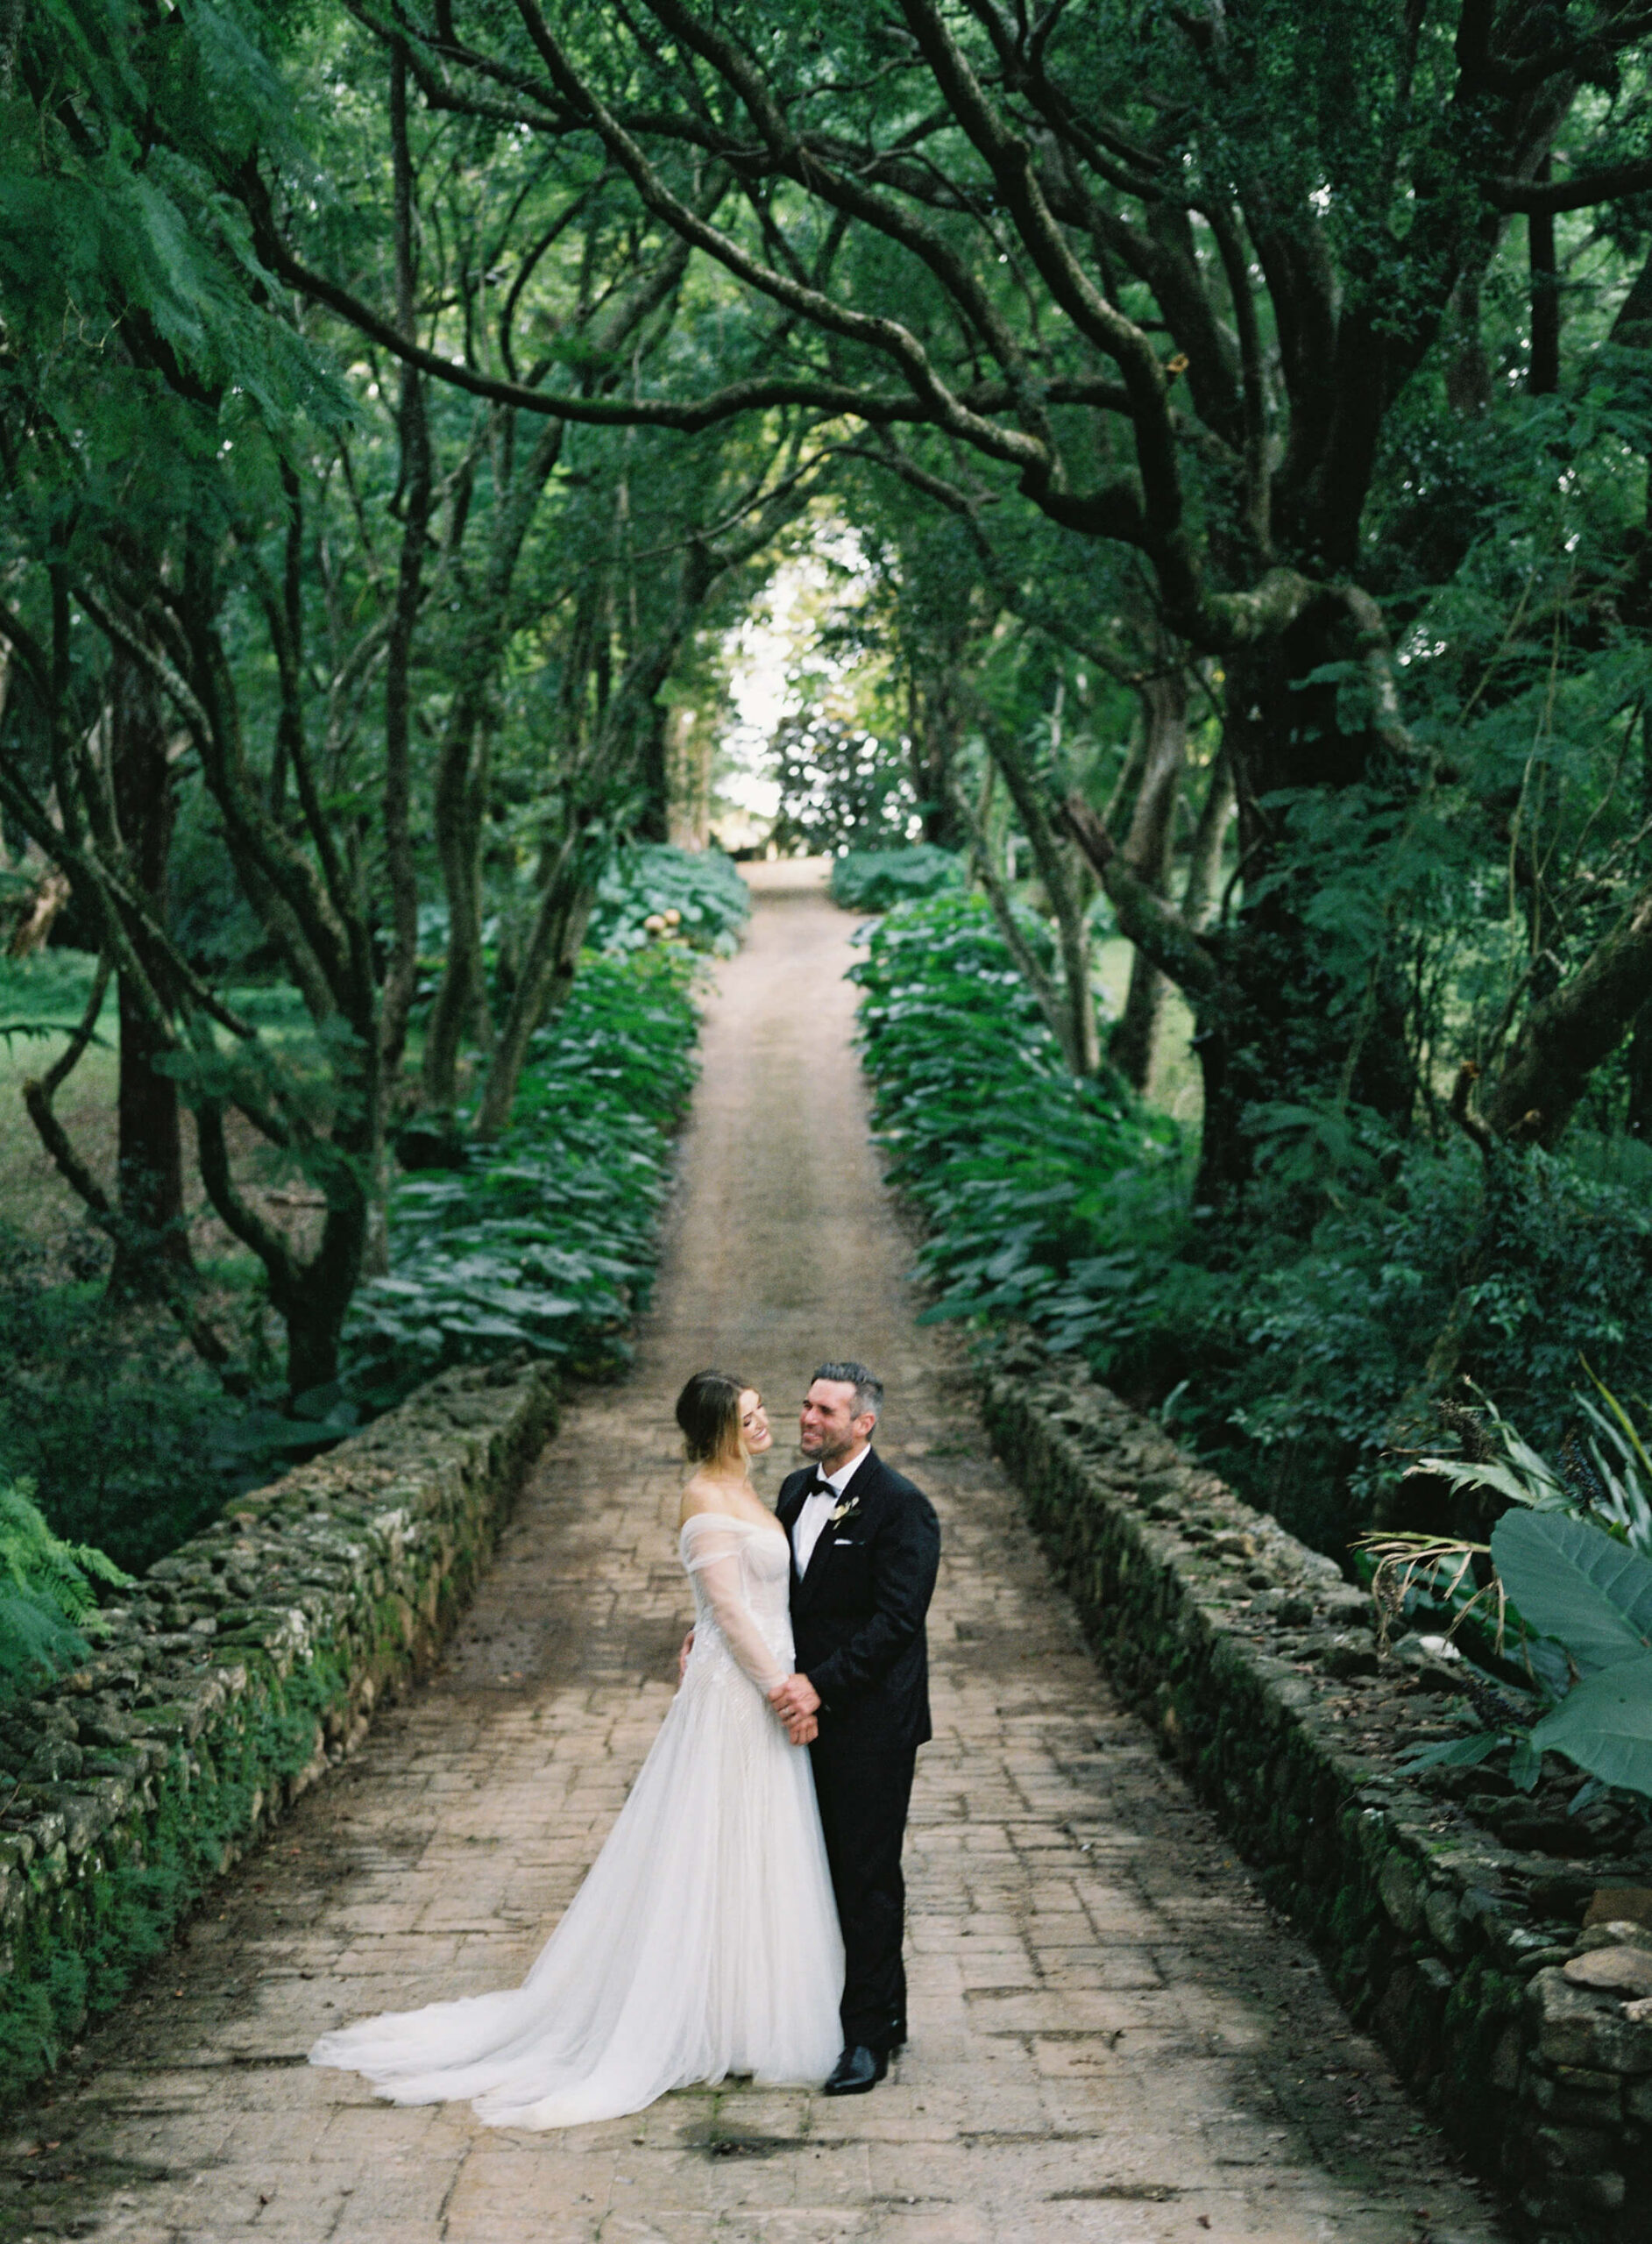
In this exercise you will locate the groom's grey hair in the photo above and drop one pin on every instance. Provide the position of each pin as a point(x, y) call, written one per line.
point(868, 1387)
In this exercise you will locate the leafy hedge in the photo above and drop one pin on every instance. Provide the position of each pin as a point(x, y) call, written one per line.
point(1015, 1165)
point(872, 880)
point(652, 881)
point(543, 1242)
point(1283, 1346)
point(1300, 1353)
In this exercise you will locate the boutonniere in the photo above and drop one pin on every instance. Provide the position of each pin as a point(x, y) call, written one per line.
point(849, 1505)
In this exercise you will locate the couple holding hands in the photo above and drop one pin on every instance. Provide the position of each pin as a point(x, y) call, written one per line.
point(746, 1911)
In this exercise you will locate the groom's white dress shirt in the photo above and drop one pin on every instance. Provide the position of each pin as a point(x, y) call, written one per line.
point(818, 1508)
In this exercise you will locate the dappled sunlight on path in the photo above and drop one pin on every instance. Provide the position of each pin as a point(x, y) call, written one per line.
point(1111, 2037)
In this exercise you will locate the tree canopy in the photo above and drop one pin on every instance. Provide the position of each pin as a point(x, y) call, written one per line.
point(1239, 416)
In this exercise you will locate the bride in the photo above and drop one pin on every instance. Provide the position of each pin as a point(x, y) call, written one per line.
point(705, 1940)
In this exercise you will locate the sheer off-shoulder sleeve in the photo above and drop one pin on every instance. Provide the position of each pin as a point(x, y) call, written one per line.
point(714, 1550)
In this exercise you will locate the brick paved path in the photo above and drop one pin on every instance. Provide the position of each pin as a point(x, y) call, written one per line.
point(1110, 2040)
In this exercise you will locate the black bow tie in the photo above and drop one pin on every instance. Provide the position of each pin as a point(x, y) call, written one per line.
point(821, 1486)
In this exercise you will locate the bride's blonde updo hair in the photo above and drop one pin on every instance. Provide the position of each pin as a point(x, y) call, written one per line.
point(708, 1411)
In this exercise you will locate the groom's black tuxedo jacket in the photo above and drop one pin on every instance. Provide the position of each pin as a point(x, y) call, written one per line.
point(857, 1615)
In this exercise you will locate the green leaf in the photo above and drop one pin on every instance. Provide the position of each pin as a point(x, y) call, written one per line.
point(48, 1605)
point(1604, 1725)
point(1464, 1473)
point(1456, 1753)
point(1570, 1580)
point(1525, 1765)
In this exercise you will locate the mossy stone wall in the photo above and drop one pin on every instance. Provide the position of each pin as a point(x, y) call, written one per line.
point(244, 1663)
point(1256, 1664)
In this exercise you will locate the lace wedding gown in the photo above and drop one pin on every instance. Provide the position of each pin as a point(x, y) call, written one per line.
point(705, 1940)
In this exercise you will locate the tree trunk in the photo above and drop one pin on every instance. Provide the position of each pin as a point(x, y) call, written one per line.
point(460, 805)
point(153, 1238)
point(414, 432)
point(1542, 375)
point(549, 959)
point(1048, 995)
point(933, 735)
point(152, 1241)
point(1146, 850)
point(689, 744)
point(315, 1308)
point(1199, 898)
point(1563, 1040)
point(34, 916)
point(1073, 936)
point(304, 889)
point(311, 1299)
point(1468, 369)
point(1638, 1118)
point(653, 821)
point(1288, 1026)
point(460, 812)
point(1063, 884)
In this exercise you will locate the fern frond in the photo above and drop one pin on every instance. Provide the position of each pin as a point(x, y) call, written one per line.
point(48, 1595)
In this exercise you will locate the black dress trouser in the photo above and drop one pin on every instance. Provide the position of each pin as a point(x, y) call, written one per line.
point(863, 1797)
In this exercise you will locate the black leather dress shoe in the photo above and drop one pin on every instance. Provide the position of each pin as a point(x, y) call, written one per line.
point(856, 2071)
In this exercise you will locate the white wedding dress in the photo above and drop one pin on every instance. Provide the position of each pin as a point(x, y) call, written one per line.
point(705, 1939)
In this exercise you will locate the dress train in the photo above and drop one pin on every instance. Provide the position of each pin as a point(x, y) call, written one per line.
point(705, 1940)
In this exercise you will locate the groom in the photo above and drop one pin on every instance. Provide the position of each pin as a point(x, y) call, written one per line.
point(865, 1545)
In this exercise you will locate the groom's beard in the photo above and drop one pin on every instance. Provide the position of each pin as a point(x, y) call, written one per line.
point(825, 1461)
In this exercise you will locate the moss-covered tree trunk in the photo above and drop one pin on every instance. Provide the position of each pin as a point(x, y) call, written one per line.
point(1309, 1014)
point(1147, 849)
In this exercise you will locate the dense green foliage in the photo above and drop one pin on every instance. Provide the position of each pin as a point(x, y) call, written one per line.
point(48, 1592)
point(1225, 435)
point(317, 672)
point(699, 891)
point(1291, 1353)
point(131, 1441)
point(872, 880)
point(1308, 1356)
point(1016, 1164)
point(545, 1241)
point(1603, 1475)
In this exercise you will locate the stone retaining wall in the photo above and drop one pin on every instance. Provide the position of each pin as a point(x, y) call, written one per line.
point(1507, 2014)
point(245, 1662)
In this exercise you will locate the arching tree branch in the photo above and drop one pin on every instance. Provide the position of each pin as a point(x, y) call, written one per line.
point(1143, 915)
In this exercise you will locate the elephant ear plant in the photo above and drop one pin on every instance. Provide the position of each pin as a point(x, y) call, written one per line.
point(1594, 1596)
point(1567, 1572)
